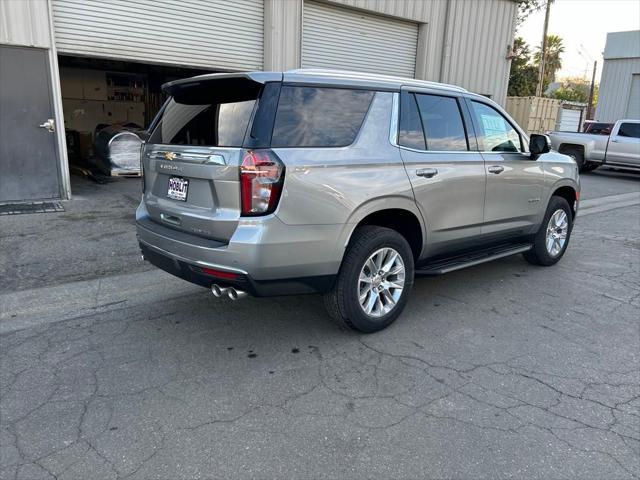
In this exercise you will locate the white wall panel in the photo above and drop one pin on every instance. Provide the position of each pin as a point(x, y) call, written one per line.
point(216, 34)
point(342, 38)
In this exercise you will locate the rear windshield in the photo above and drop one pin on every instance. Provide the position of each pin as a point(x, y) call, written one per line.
point(219, 123)
point(319, 117)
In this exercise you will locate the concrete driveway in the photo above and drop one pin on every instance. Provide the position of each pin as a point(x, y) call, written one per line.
point(504, 370)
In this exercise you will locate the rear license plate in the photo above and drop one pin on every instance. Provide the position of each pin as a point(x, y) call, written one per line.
point(178, 188)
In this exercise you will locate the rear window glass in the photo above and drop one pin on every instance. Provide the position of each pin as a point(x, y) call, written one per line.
point(629, 130)
point(319, 117)
point(220, 124)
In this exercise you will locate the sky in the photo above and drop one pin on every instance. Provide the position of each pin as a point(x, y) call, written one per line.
point(583, 26)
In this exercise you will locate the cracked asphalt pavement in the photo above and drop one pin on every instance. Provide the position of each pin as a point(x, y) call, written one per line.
point(504, 370)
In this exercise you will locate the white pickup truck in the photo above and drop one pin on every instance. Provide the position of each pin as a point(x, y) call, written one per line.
point(619, 149)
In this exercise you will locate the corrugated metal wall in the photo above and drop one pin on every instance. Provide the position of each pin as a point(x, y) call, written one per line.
point(633, 107)
point(478, 35)
point(220, 34)
point(25, 23)
point(348, 39)
point(622, 45)
point(533, 114)
point(463, 42)
point(418, 11)
point(430, 15)
point(615, 88)
point(282, 34)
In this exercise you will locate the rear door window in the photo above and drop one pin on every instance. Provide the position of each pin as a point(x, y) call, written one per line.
point(219, 124)
point(319, 116)
point(629, 130)
point(442, 123)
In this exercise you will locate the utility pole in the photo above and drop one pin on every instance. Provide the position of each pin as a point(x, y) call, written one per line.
point(592, 91)
point(543, 52)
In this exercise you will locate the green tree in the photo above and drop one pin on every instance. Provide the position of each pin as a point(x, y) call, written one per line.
point(527, 7)
point(523, 77)
point(552, 60)
point(575, 90)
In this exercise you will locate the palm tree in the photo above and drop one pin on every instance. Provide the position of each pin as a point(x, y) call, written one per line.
point(552, 60)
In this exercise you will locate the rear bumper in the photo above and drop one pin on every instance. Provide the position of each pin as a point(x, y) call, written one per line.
point(265, 288)
point(268, 257)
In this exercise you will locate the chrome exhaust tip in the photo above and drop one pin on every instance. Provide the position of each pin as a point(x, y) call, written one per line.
point(234, 294)
point(217, 290)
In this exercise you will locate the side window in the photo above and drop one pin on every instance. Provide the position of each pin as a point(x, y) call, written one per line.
point(442, 122)
point(410, 134)
point(629, 130)
point(319, 117)
point(495, 133)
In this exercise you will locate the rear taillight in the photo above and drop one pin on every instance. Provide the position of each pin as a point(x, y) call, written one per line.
point(261, 179)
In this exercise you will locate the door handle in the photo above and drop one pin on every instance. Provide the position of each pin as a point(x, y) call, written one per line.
point(427, 172)
point(614, 141)
point(49, 125)
point(496, 169)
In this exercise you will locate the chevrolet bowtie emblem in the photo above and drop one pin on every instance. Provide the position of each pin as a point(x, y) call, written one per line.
point(169, 155)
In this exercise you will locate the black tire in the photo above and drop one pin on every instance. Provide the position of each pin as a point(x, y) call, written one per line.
point(539, 254)
point(590, 167)
point(578, 155)
point(342, 301)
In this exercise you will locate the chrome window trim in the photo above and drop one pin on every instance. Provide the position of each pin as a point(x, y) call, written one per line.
point(393, 135)
point(393, 128)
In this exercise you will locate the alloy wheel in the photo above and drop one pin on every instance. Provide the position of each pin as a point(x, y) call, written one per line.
point(381, 282)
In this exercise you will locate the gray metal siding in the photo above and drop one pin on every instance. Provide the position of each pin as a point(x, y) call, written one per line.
point(25, 23)
point(622, 45)
point(418, 11)
point(478, 35)
point(615, 88)
point(216, 34)
point(633, 105)
point(342, 38)
point(282, 34)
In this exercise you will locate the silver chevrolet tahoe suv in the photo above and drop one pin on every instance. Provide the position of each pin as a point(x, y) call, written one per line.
point(344, 184)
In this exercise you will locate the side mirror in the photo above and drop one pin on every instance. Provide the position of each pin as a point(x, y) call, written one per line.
point(539, 144)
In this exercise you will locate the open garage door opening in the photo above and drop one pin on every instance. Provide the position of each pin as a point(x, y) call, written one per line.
point(108, 105)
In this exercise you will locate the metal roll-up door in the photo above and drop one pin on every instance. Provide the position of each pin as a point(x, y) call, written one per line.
point(335, 37)
point(216, 34)
point(633, 107)
point(569, 120)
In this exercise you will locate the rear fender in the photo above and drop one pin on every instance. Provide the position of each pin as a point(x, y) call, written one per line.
point(377, 205)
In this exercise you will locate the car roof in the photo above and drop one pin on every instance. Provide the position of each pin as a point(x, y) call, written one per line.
point(320, 77)
point(372, 80)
